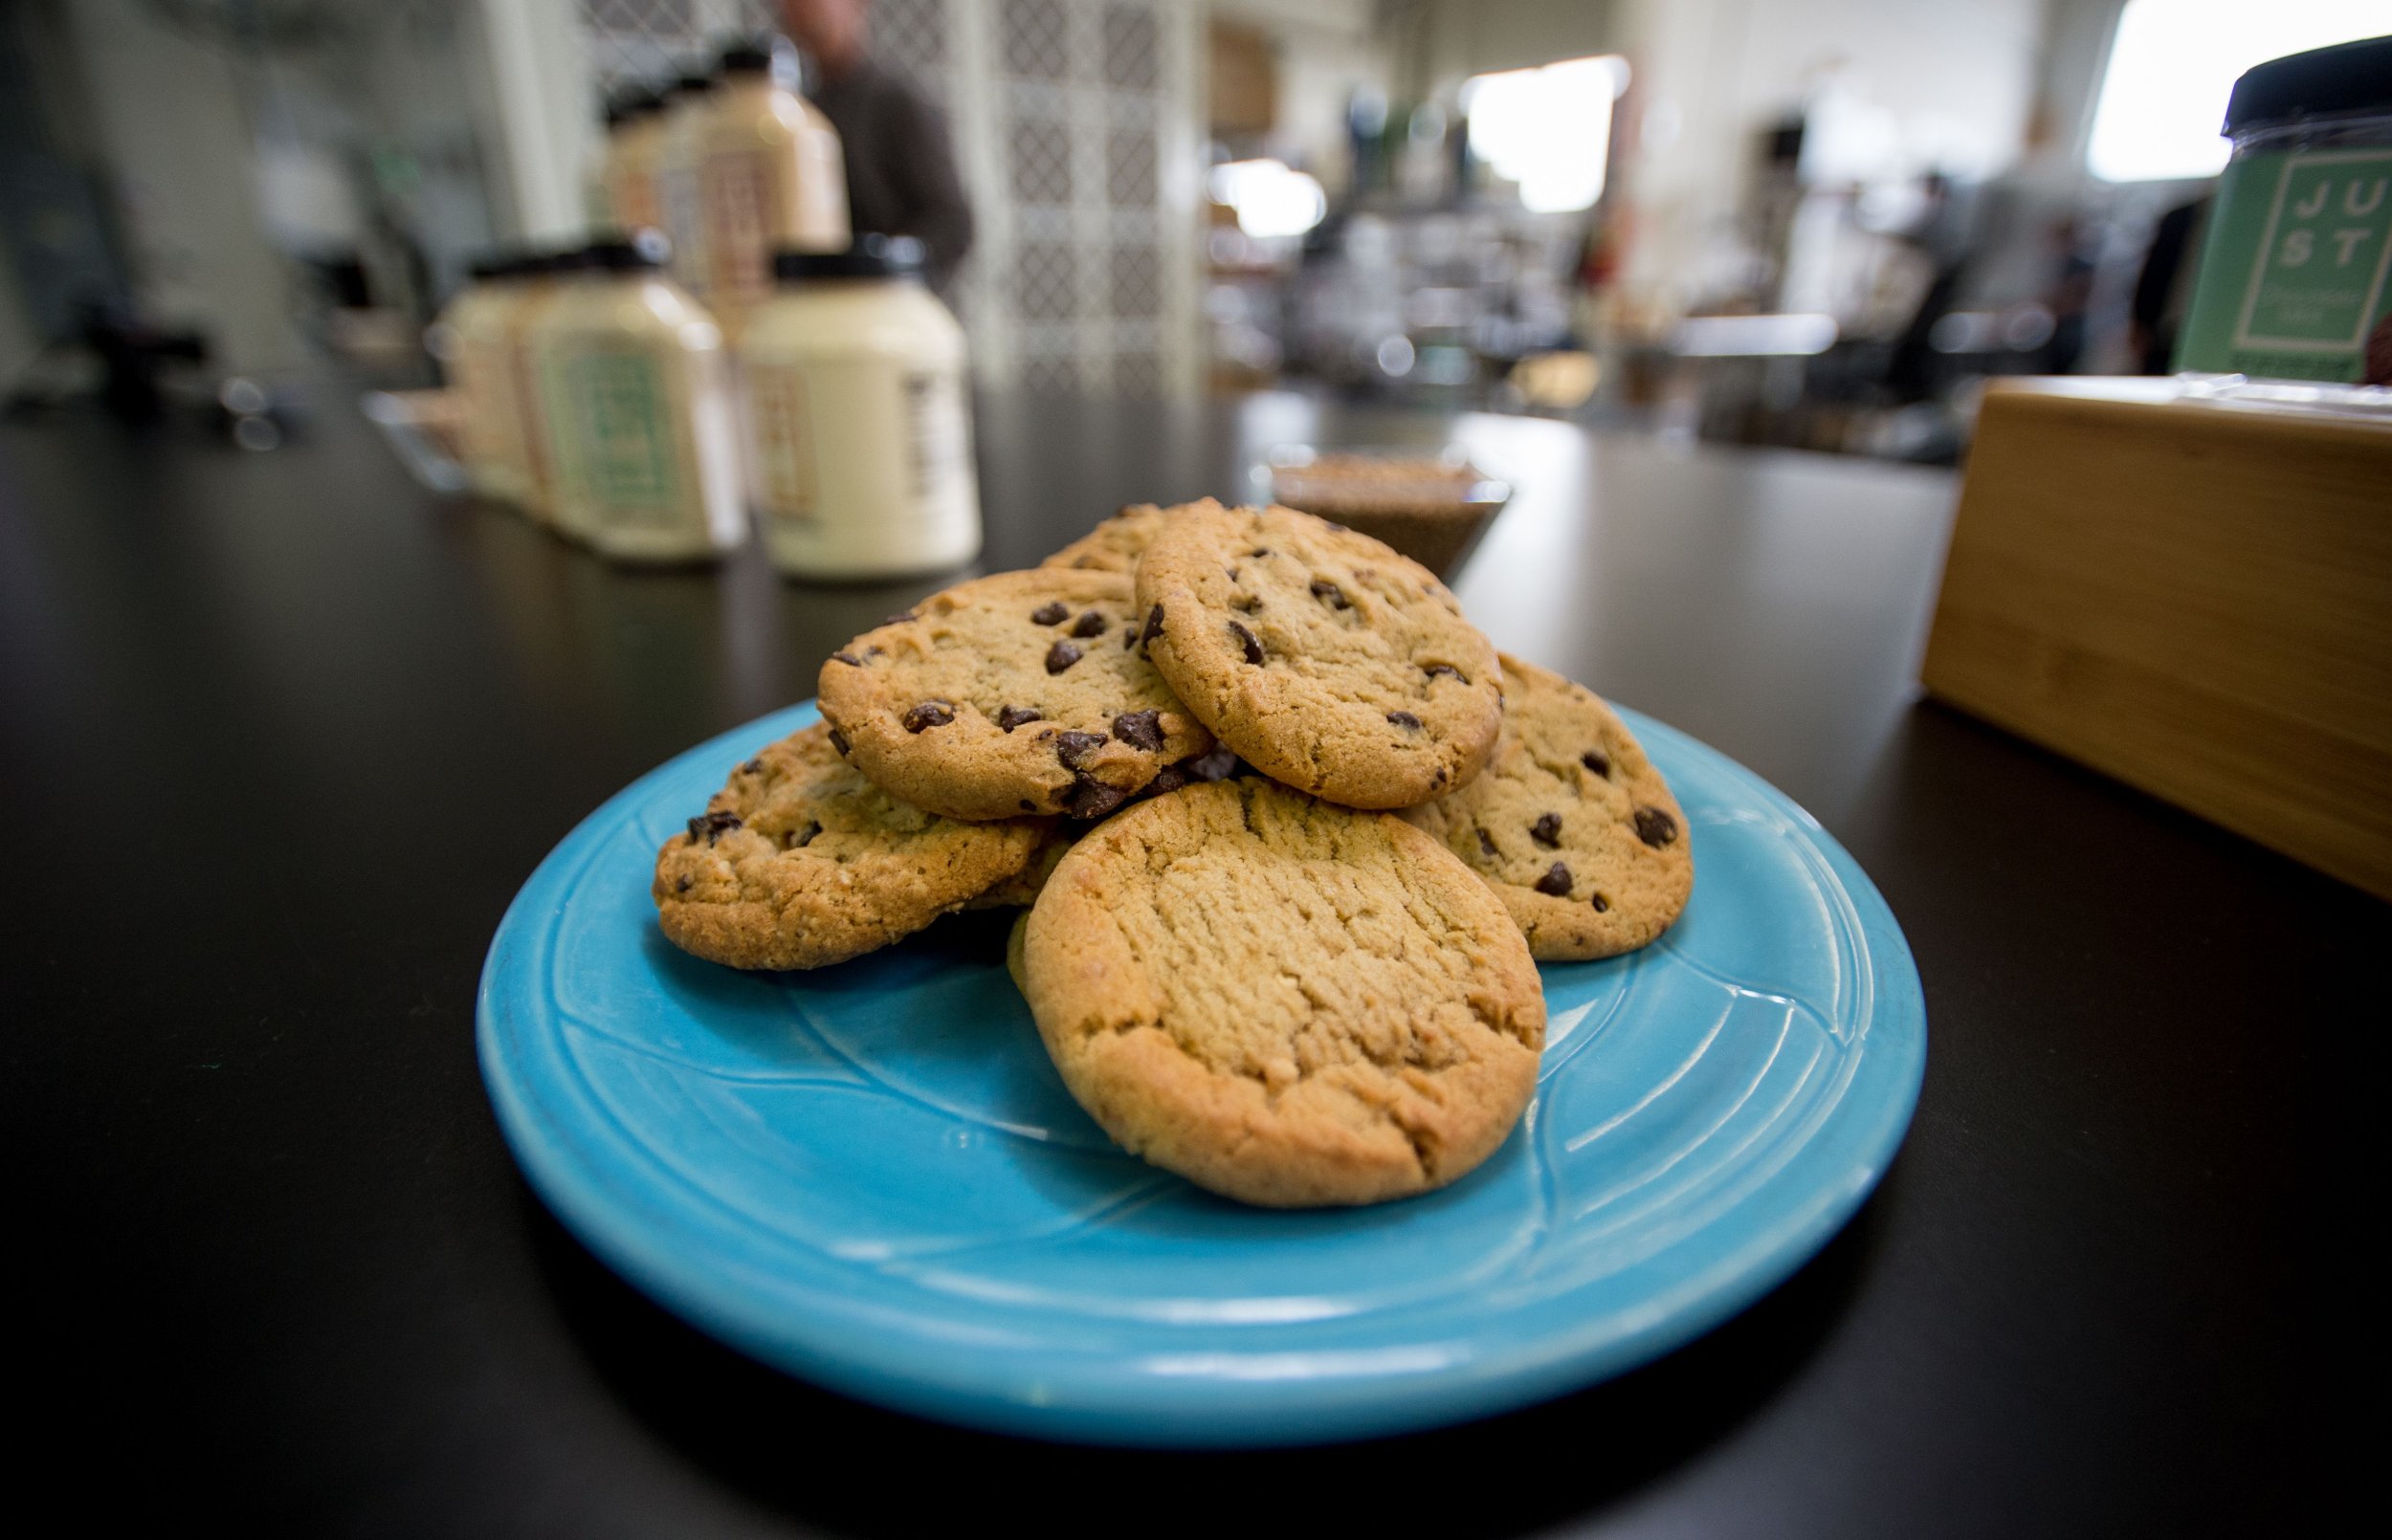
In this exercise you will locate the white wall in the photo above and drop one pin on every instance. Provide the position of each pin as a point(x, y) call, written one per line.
point(1958, 77)
point(168, 112)
point(537, 108)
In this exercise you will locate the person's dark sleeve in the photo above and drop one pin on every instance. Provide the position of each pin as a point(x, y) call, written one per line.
point(2159, 264)
point(937, 213)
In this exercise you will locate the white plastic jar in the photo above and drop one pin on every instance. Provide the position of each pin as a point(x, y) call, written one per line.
point(859, 432)
point(638, 394)
point(472, 339)
point(770, 175)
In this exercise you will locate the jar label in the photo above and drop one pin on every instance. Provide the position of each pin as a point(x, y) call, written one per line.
point(625, 434)
point(784, 446)
point(737, 197)
point(2294, 269)
point(935, 440)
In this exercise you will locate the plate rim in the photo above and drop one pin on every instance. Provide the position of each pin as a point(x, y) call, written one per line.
point(926, 1379)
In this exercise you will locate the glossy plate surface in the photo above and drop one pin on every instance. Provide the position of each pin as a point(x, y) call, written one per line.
point(869, 1175)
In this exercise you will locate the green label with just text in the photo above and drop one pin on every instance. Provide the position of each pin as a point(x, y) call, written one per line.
point(2293, 272)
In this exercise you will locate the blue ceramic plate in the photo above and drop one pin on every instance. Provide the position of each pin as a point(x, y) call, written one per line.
point(871, 1176)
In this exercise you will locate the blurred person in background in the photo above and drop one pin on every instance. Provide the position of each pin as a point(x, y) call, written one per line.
point(2164, 289)
point(900, 165)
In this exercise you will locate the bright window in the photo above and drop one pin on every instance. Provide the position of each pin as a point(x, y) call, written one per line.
point(2174, 64)
point(1549, 129)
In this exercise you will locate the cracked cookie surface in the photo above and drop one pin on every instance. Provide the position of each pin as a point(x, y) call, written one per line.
point(1570, 824)
point(1284, 1000)
point(799, 862)
point(1324, 658)
point(1115, 545)
point(1019, 693)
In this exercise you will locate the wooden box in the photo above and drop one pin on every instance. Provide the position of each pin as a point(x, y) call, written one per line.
point(2192, 595)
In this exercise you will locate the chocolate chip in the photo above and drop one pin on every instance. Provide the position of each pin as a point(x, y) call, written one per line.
point(1010, 717)
point(1655, 827)
point(898, 619)
point(838, 741)
point(1546, 831)
point(1154, 625)
point(806, 837)
point(1601, 907)
point(681, 886)
point(1435, 669)
point(1140, 730)
point(712, 826)
point(1089, 624)
point(1438, 779)
point(1091, 798)
point(1259, 550)
point(1556, 881)
point(1486, 842)
point(1051, 614)
point(1405, 720)
point(1330, 594)
point(1246, 640)
point(1335, 525)
point(1072, 747)
point(929, 713)
point(1232, 572)
point(752, 766)
point(1061, 656)
point(848, 658)
point(1129, 637)
point(1598, 761)
point(1170, 778)
point(1218, 765)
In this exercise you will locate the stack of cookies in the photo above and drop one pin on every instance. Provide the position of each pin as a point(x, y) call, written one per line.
point(1290, 835)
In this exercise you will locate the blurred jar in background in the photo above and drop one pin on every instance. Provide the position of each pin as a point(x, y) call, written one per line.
point(639, 411)
point(472, 343)
point(769, 178)
point(679, 149)
point(635, 142)
point(541, 284)
point(860, 435)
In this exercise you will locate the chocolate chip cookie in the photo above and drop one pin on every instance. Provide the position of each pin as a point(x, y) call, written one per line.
point(1022, 693)
point(1570, 824)
point(1284, 1000)
point(799, 861)
point(1115, 545)
point(1327, 660)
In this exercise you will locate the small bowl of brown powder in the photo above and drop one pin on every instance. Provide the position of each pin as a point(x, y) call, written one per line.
point(1432, 507)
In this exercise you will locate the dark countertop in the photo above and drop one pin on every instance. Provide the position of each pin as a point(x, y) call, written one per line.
point(284, 733)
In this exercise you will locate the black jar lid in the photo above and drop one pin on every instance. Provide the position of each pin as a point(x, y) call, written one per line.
point(872, 255)
point(2346, 77)
point(628, 105)
point(636, 251)
point(749, 56)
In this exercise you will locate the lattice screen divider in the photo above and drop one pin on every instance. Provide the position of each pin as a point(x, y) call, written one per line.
point(1076, 125)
